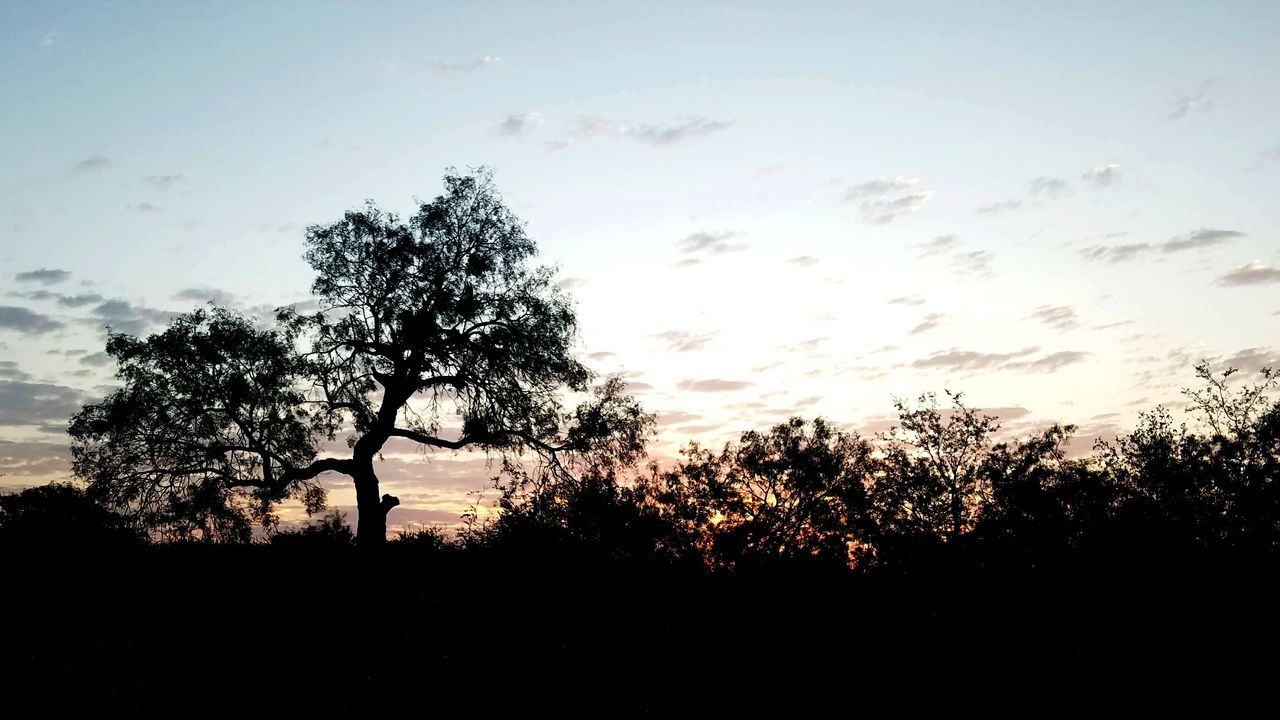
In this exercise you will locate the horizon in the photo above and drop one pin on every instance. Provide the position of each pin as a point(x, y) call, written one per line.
point(1057, 213)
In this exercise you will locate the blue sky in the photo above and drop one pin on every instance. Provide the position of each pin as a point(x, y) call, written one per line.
point(762, 209)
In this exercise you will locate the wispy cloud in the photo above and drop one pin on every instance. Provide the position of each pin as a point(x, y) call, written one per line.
point(956, 360)
point(1196, 239)
point(938, 245)
point(713, 385)
point(1254, 273)
point(1050, 187)
point(1192, 104)
point(1266, 158)
point(1115, 253)
point(206, 294)
point(880, 212)
point(803, 260)
point(1102, 176)
point(711, 243)
point(999, 208)
point(146, 207)
point(909, 300)
point(1062, 317)
point(465, 66)
point(93, 163)
point(879, 186)
point(645, 134)
point(520, 124)
point(50, 39)
point(1204, 237)
point(681, 341)
point(44, 276)
point(167, 182)
point(931, 321)
point(976, 262)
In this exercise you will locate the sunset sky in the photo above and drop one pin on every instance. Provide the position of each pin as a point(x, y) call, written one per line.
point(762, 210)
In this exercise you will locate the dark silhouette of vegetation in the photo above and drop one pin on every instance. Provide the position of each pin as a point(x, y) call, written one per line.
point(60, 515)
point(796, 563)
point(418, 320)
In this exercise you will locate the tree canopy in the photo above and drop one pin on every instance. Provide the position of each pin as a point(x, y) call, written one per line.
point(437, 329)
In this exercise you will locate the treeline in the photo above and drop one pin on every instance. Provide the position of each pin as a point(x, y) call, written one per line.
point(938, 490)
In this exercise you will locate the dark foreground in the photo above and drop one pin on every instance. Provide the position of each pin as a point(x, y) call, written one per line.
point(193, 630)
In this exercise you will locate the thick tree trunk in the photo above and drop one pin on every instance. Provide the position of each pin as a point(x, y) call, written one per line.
point(371, 525)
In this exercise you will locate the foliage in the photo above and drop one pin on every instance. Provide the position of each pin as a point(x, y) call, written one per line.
point(437, 329)
point(61, 515)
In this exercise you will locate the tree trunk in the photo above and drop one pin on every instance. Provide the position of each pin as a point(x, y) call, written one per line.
point(371, 524)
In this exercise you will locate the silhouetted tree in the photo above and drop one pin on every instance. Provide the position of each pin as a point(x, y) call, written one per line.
point(421, 324)
point(798, 491)
point(60, 515)
point(930, 481)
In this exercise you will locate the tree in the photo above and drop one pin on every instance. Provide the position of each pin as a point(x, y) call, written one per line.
point(796, 491)
point(60, 515)
point(422, 324)
point(931, 481)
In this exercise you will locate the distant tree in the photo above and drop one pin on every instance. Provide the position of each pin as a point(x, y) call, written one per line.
point(60, 515)
point(330, 530)
point(931, 481)
point(796, 491)
point(437, 330)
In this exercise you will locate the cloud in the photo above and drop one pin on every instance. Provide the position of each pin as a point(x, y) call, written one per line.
point(1204, 237)
point(25, 403)
point(646, 134)
point(167, 182)
point(938, 245)
point(93, 163)
point(466, 66)
point(1051, 362)
point(1102, 176)
point(977, 262)
point(34, 459)
point(1251, 360)
point(79, 300)
point(570, 283)
point(999, 208)
point(1062, 317)
point(50, 39)
point(1195, 103)
point(879, 186)
point(98, 359)
point(519, 124)
point(1266, 158)
point(1049, 187)
point(680, 341)
point(714, 385)
point(956, 359)
point(44, 276)
point(22, 320)
point(714, 243)
point(804, 260)
point(1254, 273)
point(909, 300)
point(9, 370)
point(1115, 253)
point(931, 321)
point(880, 212)
point(122, 316)
point(146, 207)
point(205, 294)
point(602, 355)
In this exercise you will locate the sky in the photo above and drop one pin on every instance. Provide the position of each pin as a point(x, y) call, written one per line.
point(761, 209)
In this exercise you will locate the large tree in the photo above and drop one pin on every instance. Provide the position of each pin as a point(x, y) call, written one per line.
point(437, 329)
